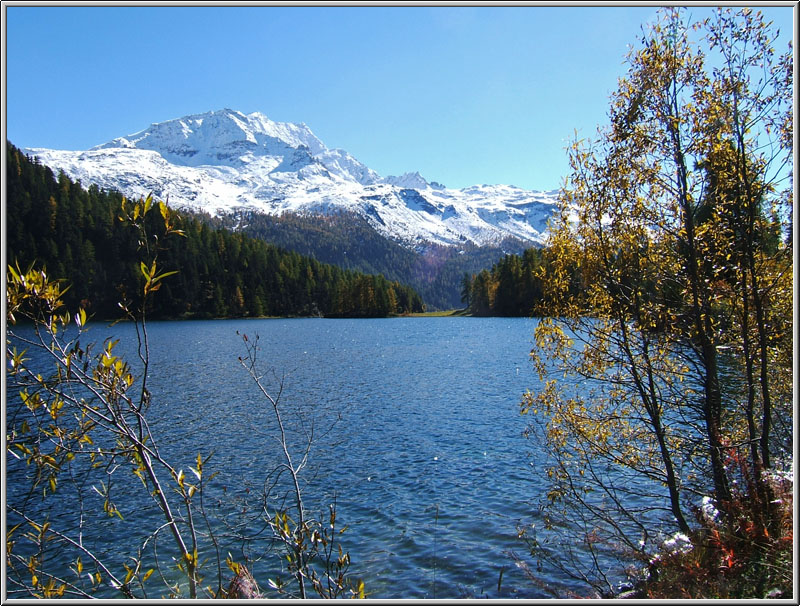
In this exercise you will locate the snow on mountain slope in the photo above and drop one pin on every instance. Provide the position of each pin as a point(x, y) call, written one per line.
point(225, 160)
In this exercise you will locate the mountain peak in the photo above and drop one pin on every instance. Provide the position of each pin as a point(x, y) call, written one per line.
point(408, 180)
point(224, 160)
point(219, 136)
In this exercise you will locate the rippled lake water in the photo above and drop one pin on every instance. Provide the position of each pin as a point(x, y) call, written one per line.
point(427, 461)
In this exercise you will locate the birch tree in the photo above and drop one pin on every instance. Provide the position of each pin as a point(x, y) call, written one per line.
point(676, 215)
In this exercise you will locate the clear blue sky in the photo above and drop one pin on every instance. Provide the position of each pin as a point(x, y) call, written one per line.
point(464, 95)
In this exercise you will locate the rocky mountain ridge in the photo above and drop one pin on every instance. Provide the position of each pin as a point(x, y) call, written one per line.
point(225, 161)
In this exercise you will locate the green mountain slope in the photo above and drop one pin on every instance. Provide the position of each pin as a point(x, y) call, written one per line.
point(347, 240)
point(77, 235)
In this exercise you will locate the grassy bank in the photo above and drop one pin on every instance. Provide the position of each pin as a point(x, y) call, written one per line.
point(441, 314)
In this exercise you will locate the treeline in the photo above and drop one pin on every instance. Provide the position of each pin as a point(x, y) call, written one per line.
point(515, 286)
point(77, 235)
point(347, 240)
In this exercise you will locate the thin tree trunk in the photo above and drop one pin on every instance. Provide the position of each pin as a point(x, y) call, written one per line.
point(712, 399)
point(647, 393)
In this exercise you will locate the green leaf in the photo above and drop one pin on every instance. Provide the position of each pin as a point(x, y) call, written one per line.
point(14, 274)
point(163, 275)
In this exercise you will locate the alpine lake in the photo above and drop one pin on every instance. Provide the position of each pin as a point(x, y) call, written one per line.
point(418, 439)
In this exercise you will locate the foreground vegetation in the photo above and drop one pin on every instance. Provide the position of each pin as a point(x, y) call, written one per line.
point(667, 408)
point(79, 418)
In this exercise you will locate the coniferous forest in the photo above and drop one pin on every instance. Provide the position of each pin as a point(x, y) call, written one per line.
point(515, 286)
point(347, 240)
point(75, 233)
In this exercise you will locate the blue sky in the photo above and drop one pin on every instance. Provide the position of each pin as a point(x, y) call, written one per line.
point(464, 95)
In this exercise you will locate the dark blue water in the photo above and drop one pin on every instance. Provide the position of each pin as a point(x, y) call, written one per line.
point(417, 434)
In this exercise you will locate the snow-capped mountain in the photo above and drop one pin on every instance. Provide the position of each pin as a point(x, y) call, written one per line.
point(225, 160)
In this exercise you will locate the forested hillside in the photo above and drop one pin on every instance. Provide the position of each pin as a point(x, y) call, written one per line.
point(515, 285)
point(348, 241)
point(77, 235)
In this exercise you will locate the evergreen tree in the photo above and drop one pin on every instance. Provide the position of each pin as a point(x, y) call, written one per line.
point(77, 235)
